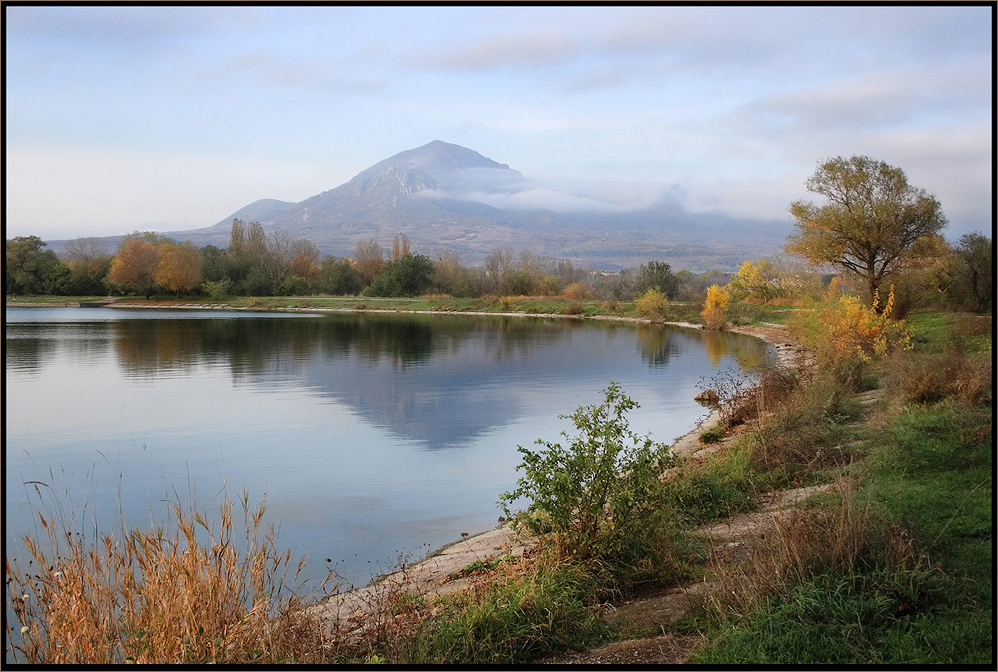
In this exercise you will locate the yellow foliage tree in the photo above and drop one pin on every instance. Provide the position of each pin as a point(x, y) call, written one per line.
point(756, 279)
point(843, 334)
point(651, 303)
point(715, 308)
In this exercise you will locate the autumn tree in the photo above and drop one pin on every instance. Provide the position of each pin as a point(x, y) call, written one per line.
point(756, 279)
point(450, 277)
point(870, 220)
point(304, 262)
point(401, 246)
point(179, 268)
point(134, 266)
point(715, 307)
point(368, 257)
point(497, 265)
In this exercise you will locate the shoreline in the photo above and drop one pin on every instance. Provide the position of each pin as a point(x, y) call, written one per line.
point(437, 573)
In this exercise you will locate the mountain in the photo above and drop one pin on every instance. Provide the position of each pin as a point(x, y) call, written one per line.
point(447, 197)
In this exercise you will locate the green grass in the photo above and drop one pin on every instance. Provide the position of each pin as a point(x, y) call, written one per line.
point(929, 474)
point(724, 485)
point(530, 305)
point(874, 617)
point(936, 331)
point(932, 474)
point(513, 619)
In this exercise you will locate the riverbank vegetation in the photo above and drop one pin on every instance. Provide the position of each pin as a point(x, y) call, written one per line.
point(257, 267)
point(891, 562)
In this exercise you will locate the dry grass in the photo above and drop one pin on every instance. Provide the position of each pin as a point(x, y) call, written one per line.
point(804, 543)
point(936, 376)
point(196, 594)
point(740, 399)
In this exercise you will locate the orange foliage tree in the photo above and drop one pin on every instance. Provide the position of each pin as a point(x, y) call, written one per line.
point(134, 266)
point(179, 268)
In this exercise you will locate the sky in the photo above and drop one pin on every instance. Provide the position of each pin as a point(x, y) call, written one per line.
point(168, 118)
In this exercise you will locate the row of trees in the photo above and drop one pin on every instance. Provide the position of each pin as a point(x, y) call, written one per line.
point(258, 263)
point(873, 226)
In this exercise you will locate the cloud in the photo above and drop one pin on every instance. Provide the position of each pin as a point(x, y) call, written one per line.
point(122, 28)
point(270, 69)
point(542, 47)
point(565, 197)
point(875, 100)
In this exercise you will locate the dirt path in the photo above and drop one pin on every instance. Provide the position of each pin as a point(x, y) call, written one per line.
point(435, 576)
point(732, 540)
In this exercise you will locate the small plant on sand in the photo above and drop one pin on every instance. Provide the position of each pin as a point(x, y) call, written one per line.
point(599, 490)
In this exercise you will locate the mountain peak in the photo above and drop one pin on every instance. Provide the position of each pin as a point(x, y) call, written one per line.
point(439, 167)
point(440, 156)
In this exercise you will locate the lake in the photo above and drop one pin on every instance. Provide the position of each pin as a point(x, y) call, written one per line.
point(373, 437)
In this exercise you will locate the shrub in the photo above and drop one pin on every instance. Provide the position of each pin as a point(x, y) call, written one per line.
point(740, 398)
point(217, 289)
point(600, 490)
point(802, 432)
point(715, 307)
point(578, 290)
point(932, 377)
point(651, 303)
point(294, 286)
point(843, 335)
point(713, 434)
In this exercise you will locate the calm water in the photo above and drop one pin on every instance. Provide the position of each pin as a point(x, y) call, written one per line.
point(371, 436)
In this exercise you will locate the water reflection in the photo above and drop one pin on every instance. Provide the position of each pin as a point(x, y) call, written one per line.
point(440, 381)
point(369, 433)
point(654, 344)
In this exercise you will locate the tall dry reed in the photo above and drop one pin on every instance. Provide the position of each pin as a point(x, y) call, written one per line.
point(197, 593)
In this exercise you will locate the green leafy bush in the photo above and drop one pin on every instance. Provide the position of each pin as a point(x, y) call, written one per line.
point(601, 489)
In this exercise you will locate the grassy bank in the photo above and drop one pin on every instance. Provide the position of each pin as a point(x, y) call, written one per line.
point(527, 305)
point(891, 563)
point(899, 570)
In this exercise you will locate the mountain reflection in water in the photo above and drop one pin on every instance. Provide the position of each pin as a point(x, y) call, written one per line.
point(367, 434)
point(432, 379)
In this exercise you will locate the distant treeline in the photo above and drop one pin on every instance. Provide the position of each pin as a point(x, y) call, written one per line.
point(260, 264)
